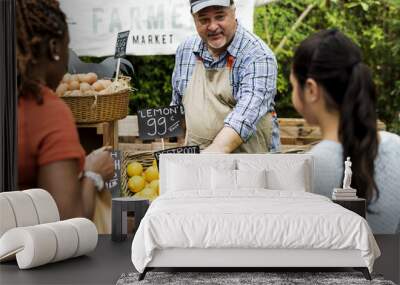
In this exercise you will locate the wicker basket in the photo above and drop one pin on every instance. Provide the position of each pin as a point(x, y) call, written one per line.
point(145, 158)
point(98, 108)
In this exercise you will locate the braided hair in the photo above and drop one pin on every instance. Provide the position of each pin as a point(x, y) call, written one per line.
point(37, 22)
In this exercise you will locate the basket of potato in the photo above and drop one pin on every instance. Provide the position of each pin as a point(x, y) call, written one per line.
point(94, 100)
point(139, 175)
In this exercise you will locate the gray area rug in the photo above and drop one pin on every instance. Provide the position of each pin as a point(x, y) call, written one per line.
point(243, 278)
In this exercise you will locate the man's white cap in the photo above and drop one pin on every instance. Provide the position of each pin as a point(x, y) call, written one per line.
point(197, 5)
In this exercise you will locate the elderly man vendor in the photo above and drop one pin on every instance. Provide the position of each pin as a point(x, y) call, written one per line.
point(226, 80)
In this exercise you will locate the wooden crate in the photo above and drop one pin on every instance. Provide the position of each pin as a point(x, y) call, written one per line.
point(297, 132)
point(140, 147)
point(296, 135)
point(128, 132)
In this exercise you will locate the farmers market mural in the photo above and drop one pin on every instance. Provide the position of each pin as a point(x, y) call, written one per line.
point(157, 27)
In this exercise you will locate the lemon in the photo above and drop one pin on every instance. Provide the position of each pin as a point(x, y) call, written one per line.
point(155, 185)
point(139, 194)
point(136, 183)
point(147, 193)
point(152, 198)
point(134, 169)
point(155, 164)
point(151, 174)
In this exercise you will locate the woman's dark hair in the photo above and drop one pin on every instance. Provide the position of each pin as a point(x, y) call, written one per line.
point(334, 62)
point(37, 22)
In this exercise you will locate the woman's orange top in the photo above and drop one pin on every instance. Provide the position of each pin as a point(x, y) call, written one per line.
point(46, 133)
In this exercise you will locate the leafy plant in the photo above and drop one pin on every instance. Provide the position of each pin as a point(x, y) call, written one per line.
point(152, 81)
point(373, 25)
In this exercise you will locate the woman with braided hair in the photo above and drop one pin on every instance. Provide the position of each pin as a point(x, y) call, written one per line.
point(49, 153)
point(333, 89)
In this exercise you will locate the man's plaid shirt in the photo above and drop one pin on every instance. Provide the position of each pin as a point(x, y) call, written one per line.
point(253, 79)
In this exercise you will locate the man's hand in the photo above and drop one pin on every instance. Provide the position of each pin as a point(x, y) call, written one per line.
point(226, 141)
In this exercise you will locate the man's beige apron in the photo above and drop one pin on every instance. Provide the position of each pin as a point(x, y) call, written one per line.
point(208, 100)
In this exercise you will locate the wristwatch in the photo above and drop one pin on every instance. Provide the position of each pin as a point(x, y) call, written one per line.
point(97, 179)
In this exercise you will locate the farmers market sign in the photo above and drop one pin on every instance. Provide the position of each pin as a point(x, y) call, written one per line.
point(156, 27)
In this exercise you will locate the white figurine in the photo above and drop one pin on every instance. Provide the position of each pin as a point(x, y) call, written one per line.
point(345, 193)
point(347, 174)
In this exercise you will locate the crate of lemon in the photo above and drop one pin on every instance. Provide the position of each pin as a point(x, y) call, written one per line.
point(140, 175)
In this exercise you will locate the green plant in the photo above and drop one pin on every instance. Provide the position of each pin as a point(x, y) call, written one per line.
point(373, 25)
point(152, 81)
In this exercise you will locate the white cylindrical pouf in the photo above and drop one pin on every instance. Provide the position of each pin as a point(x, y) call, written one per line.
point(34, 246)
point(87, 234)
point(7, 217)
point(40, 244)
point(45, 205)
point(23, 208)
point(67, 239)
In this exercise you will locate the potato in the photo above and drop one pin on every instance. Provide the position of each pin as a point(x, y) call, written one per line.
point(81, 77)
point(91, 77)
point(74, 85)
point(74, 77)
point(98, 85)
point(89, 92)
point(76, 93)
point(61, 89)
point(84, 86)
point(66, 78)
point(106, 83)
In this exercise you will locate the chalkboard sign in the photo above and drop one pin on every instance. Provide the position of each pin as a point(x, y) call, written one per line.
point(161, 122)
point(183, 149)
point(120, 47)
point(114, 184)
